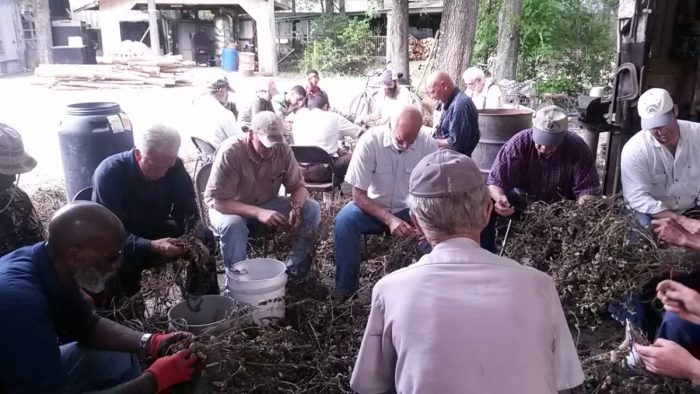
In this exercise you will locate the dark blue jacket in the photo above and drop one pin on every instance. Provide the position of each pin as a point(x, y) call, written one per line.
point(459, 123)
point(142, 205)
point(36, 309)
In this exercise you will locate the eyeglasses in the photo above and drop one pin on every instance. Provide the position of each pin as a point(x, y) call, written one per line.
point(113, 256)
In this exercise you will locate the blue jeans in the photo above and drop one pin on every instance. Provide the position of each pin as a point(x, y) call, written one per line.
point(350, 224)
point(682, 332)
point(234, 230)
point(91, 370)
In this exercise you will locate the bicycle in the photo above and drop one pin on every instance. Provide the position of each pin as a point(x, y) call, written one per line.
point(365, 102)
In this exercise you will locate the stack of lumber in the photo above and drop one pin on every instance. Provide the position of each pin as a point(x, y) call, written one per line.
point(419, 49)
point(114, 72)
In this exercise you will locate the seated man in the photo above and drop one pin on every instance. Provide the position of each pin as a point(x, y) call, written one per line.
point(545, 163)
point(313, 88)
point(243, 191)
point(458, 127)
point(288, 103)
point(317, 126)
point(261, 102)
point(379, 171)
point(483, 91)
point(42, 306)
point(393, 98)
point(659, 164)
point(19, 224)
point(212, 121)
point(149, 189)
point(462, 319)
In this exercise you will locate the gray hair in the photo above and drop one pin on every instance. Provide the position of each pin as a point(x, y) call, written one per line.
point(472, 74)
point(448, 215)
point(160, 138)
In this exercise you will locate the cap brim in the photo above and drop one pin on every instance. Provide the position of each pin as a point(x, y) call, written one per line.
point(547, 139)
point(269, 141)
point(657, 121)
point(26, 164)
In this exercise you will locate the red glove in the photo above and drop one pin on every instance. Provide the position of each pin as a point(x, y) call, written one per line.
point(158, 344)
point(172, 370)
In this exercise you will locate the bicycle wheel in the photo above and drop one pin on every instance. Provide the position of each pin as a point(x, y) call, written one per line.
point(359, 106)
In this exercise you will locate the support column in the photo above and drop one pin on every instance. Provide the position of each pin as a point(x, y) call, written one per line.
point(264, 14)
point(153, 27)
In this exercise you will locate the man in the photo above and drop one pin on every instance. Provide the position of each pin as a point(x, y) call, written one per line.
point(313, 88)
point(212, 121)
point(659, 164)
point(243, 191)
point(483, 91)
point(393, 99)
point(462, 319)
point(459, 123)
point(149, 189)
point(260, 103)
point(19, 224)
point(544, 163)
point(42, 304)
point(317, 126)
point(288, 103)
point(685, 234)
point(379, 170)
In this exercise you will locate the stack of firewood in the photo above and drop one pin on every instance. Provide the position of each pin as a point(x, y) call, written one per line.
point(419, 49)
point(113, 72)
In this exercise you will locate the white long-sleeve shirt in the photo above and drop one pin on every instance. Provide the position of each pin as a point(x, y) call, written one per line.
point(321, 128)
point(654, 180)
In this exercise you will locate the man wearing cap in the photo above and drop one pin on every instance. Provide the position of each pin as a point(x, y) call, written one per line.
point(316, 126)
point(212, 121)
point(660, 164)
point(458, 128)
point(483, 91)
point(379, 170)
point(243, 192)
point(544, 163)
point(462, 317)
point(393, 99)
point(261, 101)
point(288, 103)
point(19, 224)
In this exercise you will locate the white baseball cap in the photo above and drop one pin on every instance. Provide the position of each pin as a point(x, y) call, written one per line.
point(13, 159)
point(655, 107)
point(549, 126)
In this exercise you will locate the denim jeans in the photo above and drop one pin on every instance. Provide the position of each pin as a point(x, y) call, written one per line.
point(234, 230)
point(91, 369)
point(682, 332)
point(350, 224)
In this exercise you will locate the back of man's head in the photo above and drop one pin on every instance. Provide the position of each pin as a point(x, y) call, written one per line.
point(298, 90)
point(317, 101)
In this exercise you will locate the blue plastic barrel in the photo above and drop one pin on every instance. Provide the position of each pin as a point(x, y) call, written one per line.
point(229, 59)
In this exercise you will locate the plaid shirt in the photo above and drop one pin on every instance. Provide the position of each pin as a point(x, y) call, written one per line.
point(19, 224)
point(568, 173)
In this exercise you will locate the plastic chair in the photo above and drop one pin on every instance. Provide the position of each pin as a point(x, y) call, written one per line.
point(310, 155)
point(84, 194)
point(206, 152)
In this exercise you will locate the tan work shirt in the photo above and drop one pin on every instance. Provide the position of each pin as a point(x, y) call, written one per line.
point(239, 174)
point(463, 320)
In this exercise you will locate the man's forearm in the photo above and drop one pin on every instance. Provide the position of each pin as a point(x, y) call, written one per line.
point(442, 142)
point(370, 207)
point(108, 335)
point(665, 214)
point(144, 384)
point(233, 207)
point(299, 196)
point(496, 192)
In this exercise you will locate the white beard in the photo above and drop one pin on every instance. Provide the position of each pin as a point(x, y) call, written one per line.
point(91, 280)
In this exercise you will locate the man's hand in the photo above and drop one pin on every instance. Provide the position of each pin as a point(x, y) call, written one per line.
point(167, 247)
point(690, 225)
point(502, 206)
point(201, 252)
point(159, 344)
point(400, 228)
point(667, 358)
point(670, 231)
point(271, 218)
point(679, 299)
point(172, 370)
point(295, 216)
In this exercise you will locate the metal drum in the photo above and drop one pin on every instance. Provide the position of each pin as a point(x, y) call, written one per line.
point(247, 63)
point(497, 126)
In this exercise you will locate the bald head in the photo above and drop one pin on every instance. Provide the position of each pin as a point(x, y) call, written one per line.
point(439, 86)
point(405, 126)
point(85, 225)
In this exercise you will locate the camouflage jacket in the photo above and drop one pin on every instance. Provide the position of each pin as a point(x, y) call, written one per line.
point(19, 224)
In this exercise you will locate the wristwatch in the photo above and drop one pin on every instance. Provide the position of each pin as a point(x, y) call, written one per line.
point(143, 345)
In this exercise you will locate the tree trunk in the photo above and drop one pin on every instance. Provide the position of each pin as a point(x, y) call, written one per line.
point(341, 7)
point(44, 38)
point(506, 66)
point(329, 6)
point(397, 37)
point(458, 28)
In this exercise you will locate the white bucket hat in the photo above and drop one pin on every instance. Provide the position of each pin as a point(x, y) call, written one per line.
point(13, 159)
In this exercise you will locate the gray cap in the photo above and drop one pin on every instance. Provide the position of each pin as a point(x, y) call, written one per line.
point(268, 127)
point(444, 173)
point(388, 77)
point(549, 126)
point(13, 159)
point(219, 83)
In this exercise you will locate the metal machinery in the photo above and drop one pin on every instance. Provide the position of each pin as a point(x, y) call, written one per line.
point(658, 47)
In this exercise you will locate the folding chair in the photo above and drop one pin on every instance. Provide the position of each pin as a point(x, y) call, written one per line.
point(84, 194)
point(311, 155)
point(206, 152)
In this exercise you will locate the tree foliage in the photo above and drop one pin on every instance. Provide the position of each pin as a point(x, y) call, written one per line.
point(568, 45)
point(339, 44)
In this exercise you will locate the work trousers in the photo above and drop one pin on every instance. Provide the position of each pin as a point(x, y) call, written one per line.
point(320, 173)
point(92, 370)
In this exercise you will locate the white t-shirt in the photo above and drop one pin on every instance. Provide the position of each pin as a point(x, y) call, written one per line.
point(654, 180)
point(211, 121)
point(464, 320)
point(321, 128)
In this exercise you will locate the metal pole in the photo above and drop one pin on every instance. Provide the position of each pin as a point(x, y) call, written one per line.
point(153, 27)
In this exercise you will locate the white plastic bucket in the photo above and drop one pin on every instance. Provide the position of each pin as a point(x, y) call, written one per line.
point(261, 284)
point(212, 310)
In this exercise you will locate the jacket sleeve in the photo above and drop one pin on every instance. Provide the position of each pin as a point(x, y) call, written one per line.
point(637, 183)
point(463, 131)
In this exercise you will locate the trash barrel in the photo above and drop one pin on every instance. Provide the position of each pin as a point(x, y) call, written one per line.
point(88, 133)
point(497, 126)
point(229, 59)
point(247, 66)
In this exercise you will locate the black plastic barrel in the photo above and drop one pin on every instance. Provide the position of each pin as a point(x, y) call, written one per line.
point(497, 126)
point(88, 134)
